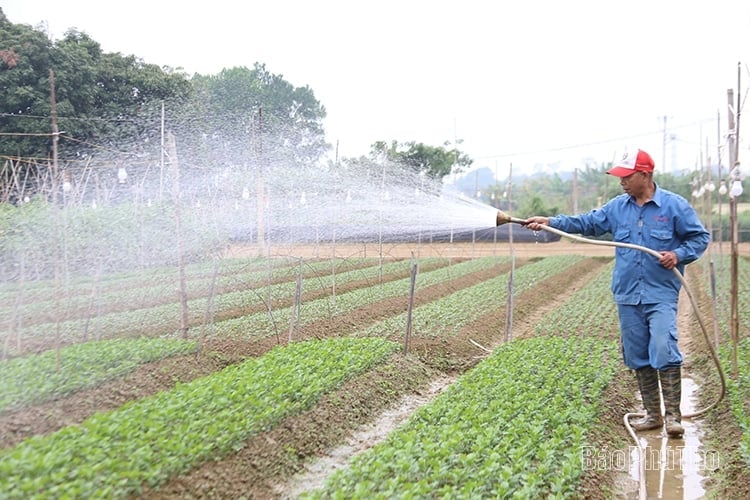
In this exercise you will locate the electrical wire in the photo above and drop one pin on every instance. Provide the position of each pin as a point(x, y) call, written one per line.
point(593, 143)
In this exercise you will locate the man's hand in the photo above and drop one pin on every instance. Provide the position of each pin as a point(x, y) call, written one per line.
point(668, 259)
point(535, 223)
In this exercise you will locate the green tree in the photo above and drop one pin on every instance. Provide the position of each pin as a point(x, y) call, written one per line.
point(108, 98)
point(434, 161)
point(535, 205)
point(24, 65)
point(101, 99)
point(253, 113)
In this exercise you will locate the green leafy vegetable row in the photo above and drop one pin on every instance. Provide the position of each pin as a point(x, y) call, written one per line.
point(512, 427)
point(447, 315)
point(164, 318)
point(260, 324)
point(589, 311)
point(114, 454)
point(36, 378)
point(738, 389)
point(150, 292)
point(39, 290)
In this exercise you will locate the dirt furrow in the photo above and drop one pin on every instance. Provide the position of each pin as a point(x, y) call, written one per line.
point(288, 447)
point(217, 353)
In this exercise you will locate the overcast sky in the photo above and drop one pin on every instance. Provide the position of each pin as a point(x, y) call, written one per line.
point(519, 82)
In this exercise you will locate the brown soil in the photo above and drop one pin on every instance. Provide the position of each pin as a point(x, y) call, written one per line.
point(460, 250)
point(447, 250)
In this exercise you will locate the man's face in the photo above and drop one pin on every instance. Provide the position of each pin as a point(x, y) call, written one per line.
point(635, 184)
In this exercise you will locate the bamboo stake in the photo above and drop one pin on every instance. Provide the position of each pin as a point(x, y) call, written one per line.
point(55, 182)
point(410, 307)
point(296, 304)
point(182, 280)
point(209, 316)
point(511, 275)
point(7, 172)
point(16, 316)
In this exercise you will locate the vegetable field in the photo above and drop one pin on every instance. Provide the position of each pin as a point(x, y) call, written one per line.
point(117, 386)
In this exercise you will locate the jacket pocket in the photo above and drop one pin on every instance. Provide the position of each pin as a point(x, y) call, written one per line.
point(662, 238)
point(622, 234)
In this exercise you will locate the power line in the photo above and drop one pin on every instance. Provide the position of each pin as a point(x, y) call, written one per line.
point(22, 134)
point(63, 136)
point(71, 118)
point(593, 143)
point(95, 146)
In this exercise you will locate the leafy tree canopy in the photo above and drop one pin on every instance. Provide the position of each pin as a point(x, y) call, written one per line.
point(434, 161)
point(100, 98)
point(111, 107)
point(257, 114)
point(534, 205)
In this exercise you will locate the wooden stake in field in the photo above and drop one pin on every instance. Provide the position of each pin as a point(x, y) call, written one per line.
point(734, 127)
point(16, 318)
point(58, 238)
point(294, 313)
point(260, 190)
point(509, 295)
point(412, 285)
point(182, 290)
point(94, 300)
point(208, 318)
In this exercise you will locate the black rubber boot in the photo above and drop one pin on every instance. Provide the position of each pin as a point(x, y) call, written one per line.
point(671, 389)
point(648, 383)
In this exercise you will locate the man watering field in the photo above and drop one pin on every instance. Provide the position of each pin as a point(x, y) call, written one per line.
point(645, 289)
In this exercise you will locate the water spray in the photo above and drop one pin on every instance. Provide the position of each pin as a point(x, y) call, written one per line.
point(503, 218)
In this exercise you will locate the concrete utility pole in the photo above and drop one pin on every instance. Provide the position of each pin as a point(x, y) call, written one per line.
point(575, 190)
point(511, 276)
point(734, 127)
point(260, 188)
point(721, 179)
point(664, 145)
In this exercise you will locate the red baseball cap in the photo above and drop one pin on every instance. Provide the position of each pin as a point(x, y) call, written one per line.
point(630, 163)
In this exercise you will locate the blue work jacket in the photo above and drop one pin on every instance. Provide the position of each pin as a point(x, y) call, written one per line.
point(667, 222)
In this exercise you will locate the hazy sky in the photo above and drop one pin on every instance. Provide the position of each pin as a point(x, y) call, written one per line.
point(522, 82)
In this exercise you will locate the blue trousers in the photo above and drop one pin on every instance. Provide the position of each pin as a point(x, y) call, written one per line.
point(649, 335)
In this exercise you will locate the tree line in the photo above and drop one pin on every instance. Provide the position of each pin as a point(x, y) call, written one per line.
point(116, 107)
point(113, 109)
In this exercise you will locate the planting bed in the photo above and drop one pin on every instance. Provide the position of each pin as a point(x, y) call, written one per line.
point(263, 383)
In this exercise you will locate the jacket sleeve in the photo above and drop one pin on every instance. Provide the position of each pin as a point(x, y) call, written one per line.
point(693, 235)
point(593, 223)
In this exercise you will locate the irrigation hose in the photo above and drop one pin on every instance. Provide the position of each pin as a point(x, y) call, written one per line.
point(642, 492)
point(503, 218)
point(693, 303)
